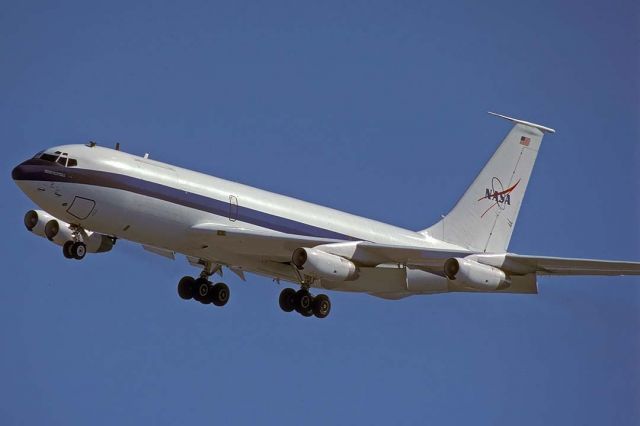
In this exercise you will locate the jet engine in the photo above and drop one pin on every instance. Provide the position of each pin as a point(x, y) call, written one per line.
point(35, 221)
point(469, 273)
point(43, 224)
point(57, 231)
point(319, 264)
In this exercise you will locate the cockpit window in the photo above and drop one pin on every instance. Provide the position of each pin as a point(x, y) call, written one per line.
point(49, 157)
point(60, 158)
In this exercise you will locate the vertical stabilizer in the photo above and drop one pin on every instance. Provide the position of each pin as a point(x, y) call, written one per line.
point(484, 218)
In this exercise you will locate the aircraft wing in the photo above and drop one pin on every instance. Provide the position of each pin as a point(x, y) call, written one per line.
point(278, 247)
point(433, 260)
point(372, 254)
point(568, 266)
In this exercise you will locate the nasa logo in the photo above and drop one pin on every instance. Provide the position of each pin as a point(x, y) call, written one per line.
point(498, 195)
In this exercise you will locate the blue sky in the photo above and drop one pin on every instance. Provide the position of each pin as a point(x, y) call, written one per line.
point(376, 108)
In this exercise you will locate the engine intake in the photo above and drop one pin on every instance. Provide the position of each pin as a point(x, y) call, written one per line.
point(320, 264)
point(469, 273)
point(57, 231)
point(36, 220)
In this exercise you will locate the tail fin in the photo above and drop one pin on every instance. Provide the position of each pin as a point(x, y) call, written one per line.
point(484, 218)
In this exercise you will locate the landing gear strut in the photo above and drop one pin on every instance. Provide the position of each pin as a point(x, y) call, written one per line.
point(304, 303)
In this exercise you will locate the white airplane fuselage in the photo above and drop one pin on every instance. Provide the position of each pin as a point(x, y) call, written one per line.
point(156, 204)
point(92, 196)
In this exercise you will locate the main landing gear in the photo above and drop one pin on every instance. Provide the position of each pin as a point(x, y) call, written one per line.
point(304, 303)
point(74, 250)
point(202, 290)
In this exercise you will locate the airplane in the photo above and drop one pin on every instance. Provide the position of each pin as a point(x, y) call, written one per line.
point(91, 196)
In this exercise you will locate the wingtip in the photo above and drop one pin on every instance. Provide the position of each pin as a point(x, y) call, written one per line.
point(540, 127)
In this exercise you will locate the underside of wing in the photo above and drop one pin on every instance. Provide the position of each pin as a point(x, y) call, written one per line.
point(568, 266)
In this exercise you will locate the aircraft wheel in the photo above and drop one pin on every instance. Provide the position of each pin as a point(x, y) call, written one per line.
point(219, 294)
point(287, 299)
point(303, 302)
point(186, 287)
point(66, 249)
point(321, 306)
point(202, 290)
point(307, 313)
point(78, 250)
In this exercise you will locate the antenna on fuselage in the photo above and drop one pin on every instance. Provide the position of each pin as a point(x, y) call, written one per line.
point(117, 146)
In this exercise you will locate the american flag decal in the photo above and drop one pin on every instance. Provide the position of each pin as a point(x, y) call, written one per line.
point(525, 141)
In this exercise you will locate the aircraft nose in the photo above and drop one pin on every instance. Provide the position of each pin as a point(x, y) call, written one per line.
point(23, 171)
point(19, 172)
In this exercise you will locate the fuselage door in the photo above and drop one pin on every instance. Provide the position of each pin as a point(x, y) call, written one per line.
point(233, 208)
point(81, 207)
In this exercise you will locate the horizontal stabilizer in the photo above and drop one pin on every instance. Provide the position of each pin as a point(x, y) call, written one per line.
point(526, 123)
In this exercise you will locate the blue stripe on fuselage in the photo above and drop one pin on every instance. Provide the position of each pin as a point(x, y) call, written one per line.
point(40, 170)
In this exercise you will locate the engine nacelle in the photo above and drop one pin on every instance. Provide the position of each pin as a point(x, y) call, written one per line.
point(98, 243)
point(36, 220)
point(57, 231)
point(469, 273)
point(43, 224)
point(319, 264)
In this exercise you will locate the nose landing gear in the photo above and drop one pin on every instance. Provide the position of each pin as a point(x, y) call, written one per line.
point(74, 250)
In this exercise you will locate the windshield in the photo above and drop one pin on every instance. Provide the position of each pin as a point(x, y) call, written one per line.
point(59, 157)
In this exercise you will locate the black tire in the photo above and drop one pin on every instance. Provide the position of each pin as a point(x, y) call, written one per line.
point(219, 294)
point(321, 306)
point(287, 299)
point(78, 250)
point(202, 290)
point(307, 313)
point(303, 302)
point(186, 287)
point(66, 249)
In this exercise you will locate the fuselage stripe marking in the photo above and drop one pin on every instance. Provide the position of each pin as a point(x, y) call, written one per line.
point(35, 170)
